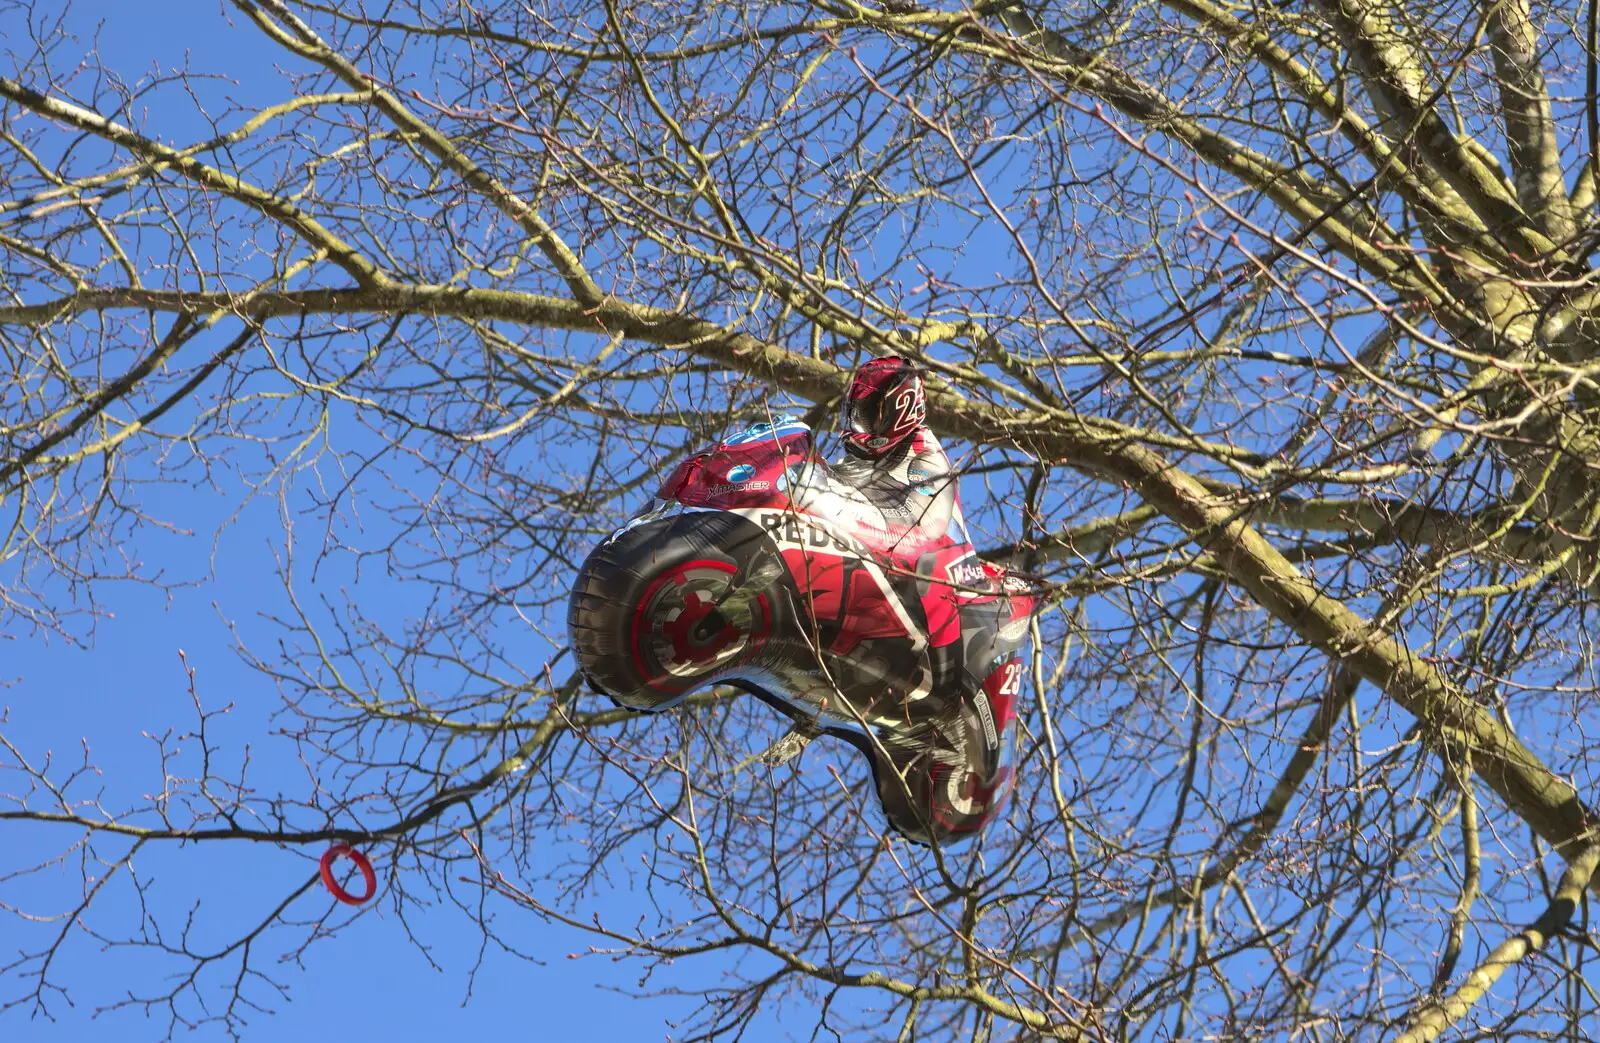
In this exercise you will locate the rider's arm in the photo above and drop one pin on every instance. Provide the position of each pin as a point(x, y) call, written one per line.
point(930, 484)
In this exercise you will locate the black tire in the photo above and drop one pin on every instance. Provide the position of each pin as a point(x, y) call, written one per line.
point(647, 613)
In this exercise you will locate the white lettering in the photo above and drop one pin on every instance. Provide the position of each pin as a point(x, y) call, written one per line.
point(990, 736)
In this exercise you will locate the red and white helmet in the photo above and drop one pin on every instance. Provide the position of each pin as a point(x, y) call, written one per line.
point(884, 406)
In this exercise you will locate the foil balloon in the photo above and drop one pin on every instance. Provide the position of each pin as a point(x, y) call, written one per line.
point(757, 566)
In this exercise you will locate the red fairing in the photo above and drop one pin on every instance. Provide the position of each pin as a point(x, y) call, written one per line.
point(680, 476)
point(752, 475)
point(737, 474)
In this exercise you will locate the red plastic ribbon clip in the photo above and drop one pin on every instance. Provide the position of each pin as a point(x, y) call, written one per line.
point(361, 863)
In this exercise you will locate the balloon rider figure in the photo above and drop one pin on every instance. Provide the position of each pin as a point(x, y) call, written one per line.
point(897, 462)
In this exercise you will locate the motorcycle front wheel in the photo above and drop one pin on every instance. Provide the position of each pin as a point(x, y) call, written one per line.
point(670, 605)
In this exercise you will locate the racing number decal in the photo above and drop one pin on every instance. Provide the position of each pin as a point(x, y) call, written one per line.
point(1001, 688)
point(911, 408)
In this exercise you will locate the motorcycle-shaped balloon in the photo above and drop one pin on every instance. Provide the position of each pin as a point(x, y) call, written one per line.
point(759, 567)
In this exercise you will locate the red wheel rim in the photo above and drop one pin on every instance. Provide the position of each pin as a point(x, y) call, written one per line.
point(669, 618)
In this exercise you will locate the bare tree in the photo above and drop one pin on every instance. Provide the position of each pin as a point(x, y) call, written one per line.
point(1265, 334)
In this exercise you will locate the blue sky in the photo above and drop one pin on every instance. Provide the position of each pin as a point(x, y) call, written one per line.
point(126, 687)
point(123, 695)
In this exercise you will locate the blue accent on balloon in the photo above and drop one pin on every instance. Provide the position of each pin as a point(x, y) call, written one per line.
point(780, 427)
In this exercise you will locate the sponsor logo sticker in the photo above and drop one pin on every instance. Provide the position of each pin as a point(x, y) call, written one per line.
point(740, 473)
point(739, 487)
point(789, 529)
point(990, 735)
point(969, 574)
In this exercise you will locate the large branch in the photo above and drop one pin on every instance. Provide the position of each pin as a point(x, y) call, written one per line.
point(1448, 717)
point(1393, 72)
point(1217, 523)
point(1486, 309)
point(1373, 521)
point(280, 210)
point(1340, 219)
point(1418, 184)
point(1439, 1015)
point(1459, 186)
point(1530, 125)
point(300, 39)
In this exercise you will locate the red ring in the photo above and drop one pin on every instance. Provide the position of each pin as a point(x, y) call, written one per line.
point(362, 864)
